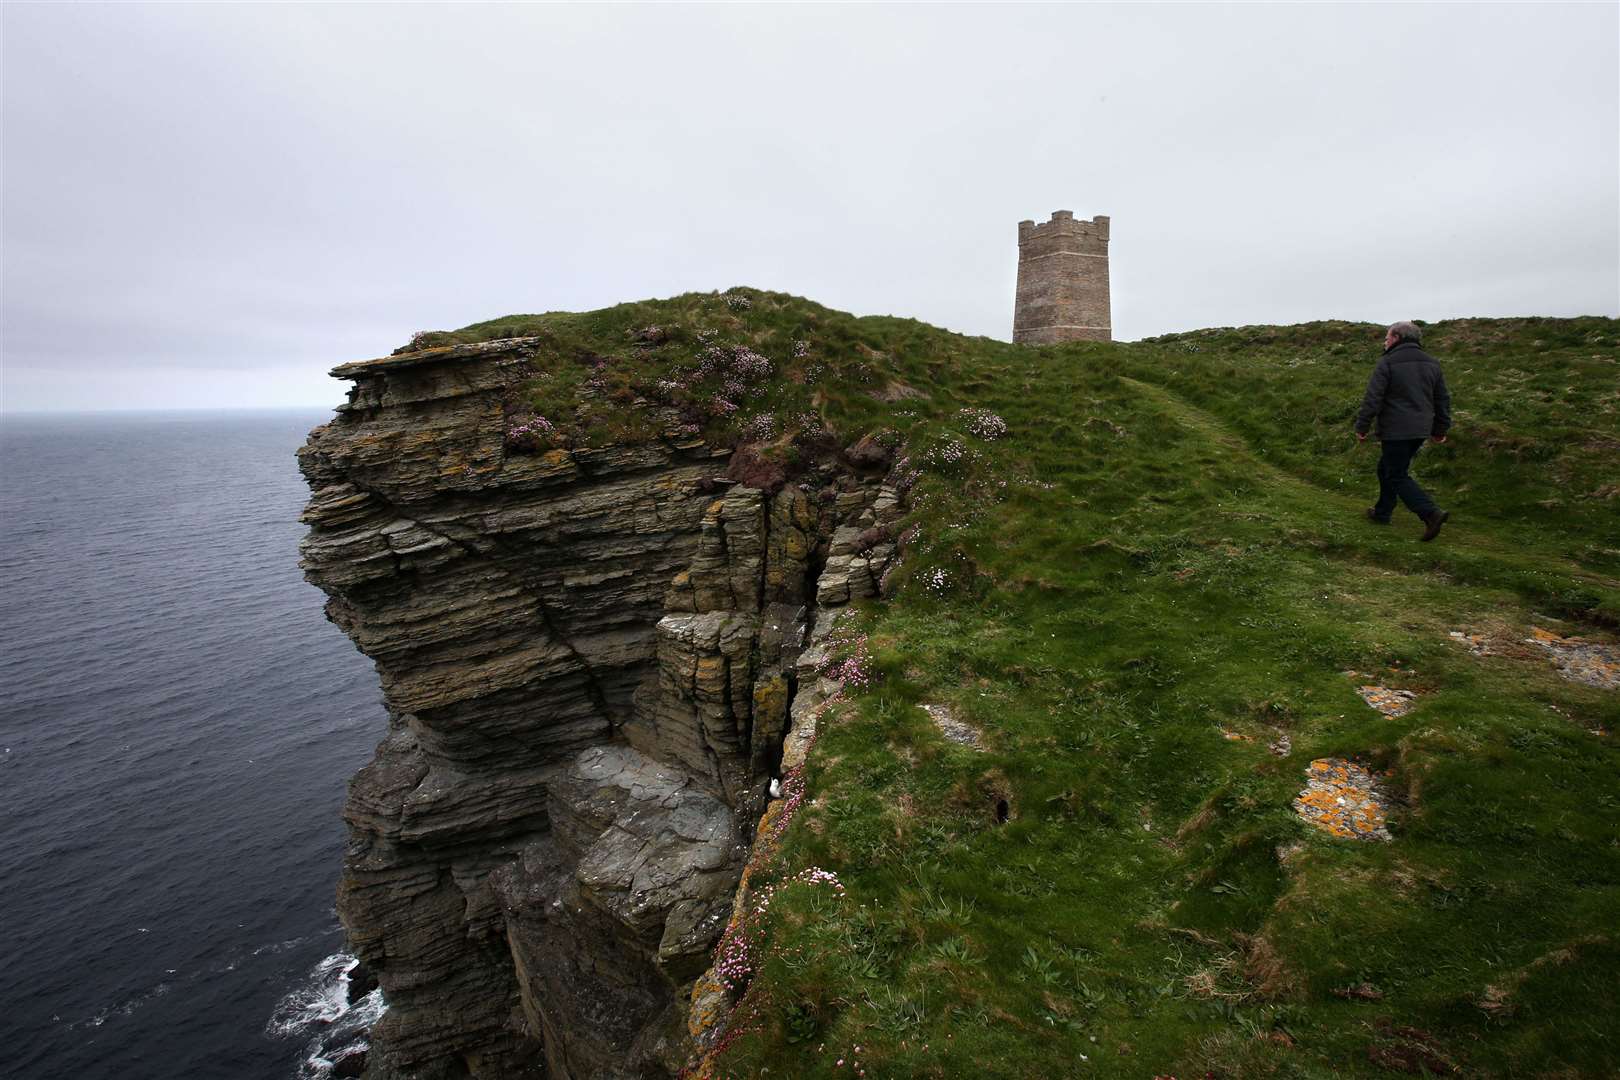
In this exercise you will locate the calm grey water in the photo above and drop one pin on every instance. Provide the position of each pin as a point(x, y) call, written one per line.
point(177, 722)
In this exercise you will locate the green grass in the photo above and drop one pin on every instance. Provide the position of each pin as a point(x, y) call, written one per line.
point(845, 360)
point(1168, 544)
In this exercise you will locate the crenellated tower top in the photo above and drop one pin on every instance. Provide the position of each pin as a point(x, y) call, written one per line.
point(1062, 281)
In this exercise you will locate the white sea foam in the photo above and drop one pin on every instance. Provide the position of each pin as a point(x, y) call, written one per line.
point(319, 1009)
point(123, 1008)
point(316, 1067)
point(322, 998)
point(281, 946)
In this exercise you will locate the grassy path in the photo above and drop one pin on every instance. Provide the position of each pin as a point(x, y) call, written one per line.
point(1473, 547)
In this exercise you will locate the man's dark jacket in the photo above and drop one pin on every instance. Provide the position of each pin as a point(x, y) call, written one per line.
point(1407, 395)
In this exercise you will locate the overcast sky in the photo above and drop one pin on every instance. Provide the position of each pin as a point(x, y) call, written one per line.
point(212, 205)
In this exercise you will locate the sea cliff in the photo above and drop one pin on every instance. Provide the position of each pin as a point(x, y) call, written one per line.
point(590, 659)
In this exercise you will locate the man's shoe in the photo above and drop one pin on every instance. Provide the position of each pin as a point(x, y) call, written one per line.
point(1372, 516)
point(1433, 523)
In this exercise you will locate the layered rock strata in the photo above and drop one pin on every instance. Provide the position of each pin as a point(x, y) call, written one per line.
point(590, 660)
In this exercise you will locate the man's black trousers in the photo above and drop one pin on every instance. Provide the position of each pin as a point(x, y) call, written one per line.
point(1394, 480)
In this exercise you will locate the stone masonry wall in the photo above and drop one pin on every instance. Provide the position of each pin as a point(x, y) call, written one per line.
point(1062, 281)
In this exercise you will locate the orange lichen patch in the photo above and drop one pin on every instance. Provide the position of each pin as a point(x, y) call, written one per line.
point(1589, 663)
point(1344, 799)
point(1386, 699)
point(1478, 644)
point(1581, 660)
point(710, 1004)
point(1233, 736)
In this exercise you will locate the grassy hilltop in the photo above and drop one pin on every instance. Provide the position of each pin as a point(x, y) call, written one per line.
point(1154, 598)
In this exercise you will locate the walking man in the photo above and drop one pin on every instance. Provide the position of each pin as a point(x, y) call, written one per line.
point(1407, 396)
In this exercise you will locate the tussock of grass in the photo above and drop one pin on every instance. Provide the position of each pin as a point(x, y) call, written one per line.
point(1168, 545)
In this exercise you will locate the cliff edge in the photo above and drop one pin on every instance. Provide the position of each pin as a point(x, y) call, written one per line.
point(590, 658)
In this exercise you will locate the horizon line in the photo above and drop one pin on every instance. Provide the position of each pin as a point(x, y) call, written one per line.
point(4, 412)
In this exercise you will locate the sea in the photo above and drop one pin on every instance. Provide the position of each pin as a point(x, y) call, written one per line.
point(177, 724)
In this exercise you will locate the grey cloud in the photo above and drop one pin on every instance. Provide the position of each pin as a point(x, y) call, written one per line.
point(258, 192)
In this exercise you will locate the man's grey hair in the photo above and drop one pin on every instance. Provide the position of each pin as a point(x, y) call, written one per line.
point(1406, 331)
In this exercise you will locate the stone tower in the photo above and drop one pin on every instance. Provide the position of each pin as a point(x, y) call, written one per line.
point(1062, 281)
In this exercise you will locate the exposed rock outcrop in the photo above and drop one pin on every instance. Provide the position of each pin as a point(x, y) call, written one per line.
point(590, 662)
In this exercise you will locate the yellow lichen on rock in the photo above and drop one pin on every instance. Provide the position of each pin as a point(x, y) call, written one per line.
point(1345, 799)
point(1589, 663)
point(771, 698)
